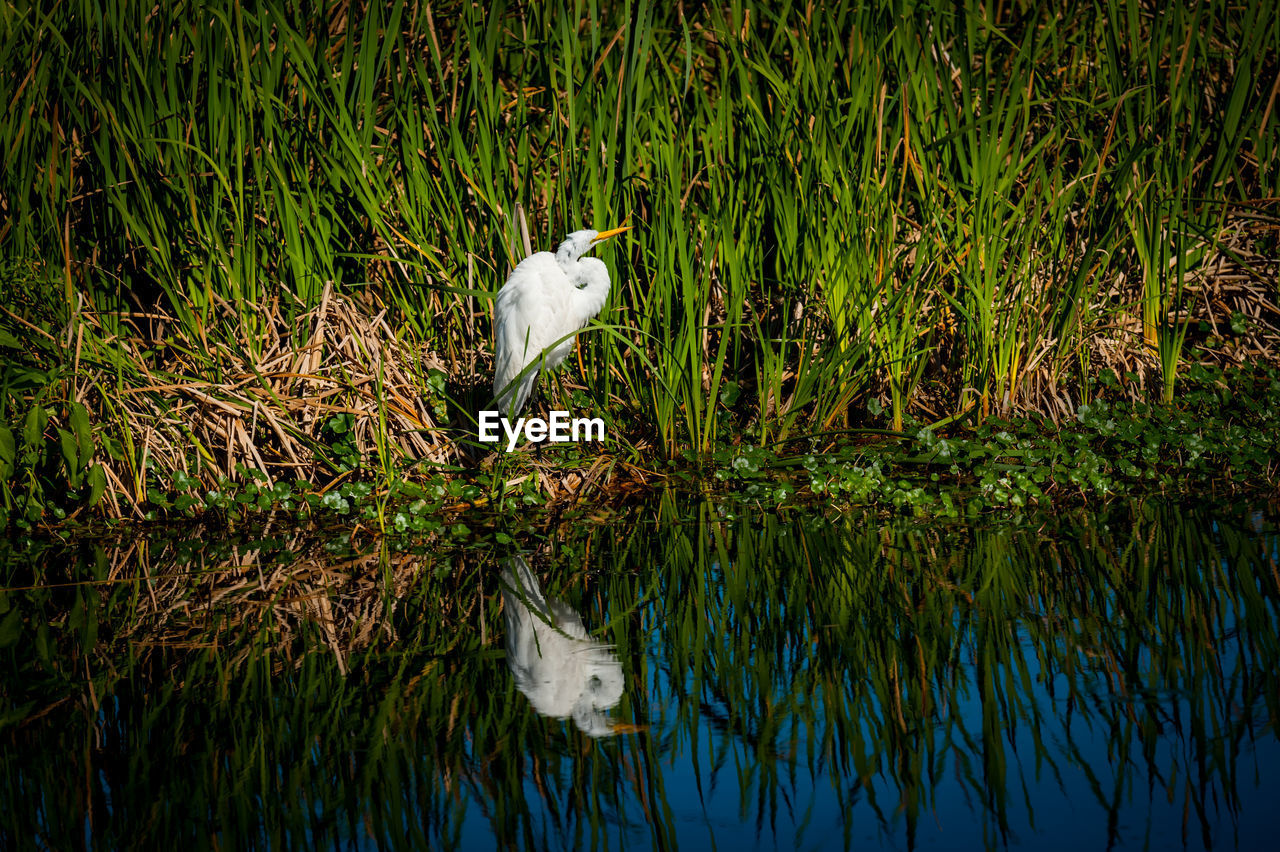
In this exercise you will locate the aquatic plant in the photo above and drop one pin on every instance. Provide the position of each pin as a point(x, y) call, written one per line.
point(251, 221)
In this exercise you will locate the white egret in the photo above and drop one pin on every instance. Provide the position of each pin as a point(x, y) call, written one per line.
point(560, 669)
point(546, 297)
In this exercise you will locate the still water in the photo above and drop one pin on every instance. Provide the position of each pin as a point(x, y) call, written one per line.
point(682, 676)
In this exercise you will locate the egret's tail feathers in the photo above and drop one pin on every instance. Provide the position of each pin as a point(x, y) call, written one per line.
point(510, 395)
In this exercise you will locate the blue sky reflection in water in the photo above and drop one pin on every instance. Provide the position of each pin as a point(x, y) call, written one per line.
point(1109, 755)
point(1083, 682)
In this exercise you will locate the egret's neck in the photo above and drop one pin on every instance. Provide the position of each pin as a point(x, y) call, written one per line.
point(568, 261)
point(590, 279)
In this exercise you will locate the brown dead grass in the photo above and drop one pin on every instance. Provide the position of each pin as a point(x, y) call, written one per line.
point(264, 413)
point(1236, 279)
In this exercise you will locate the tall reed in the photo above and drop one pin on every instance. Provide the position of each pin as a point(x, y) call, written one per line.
point(952, 209)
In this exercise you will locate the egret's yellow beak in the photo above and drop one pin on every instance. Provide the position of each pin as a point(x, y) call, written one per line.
point(604, 235)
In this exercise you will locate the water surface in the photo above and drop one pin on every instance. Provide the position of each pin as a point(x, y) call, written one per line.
point(682, 677)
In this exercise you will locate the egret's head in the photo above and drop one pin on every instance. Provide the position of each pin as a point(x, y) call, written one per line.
point(580, 242)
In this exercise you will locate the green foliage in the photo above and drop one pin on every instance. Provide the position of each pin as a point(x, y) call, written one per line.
point(342, 441)
point(1226, 437)
point(834, 204)
point(48, 468)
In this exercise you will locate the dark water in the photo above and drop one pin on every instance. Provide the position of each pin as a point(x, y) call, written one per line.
point(675, 678)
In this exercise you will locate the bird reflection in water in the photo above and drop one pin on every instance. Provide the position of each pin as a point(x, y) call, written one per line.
point(560, 669)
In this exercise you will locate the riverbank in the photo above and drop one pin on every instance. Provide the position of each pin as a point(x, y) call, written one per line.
point(1223, 443)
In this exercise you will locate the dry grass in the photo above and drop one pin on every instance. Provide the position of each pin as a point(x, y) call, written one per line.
point(268, 413)
point(1232, 305)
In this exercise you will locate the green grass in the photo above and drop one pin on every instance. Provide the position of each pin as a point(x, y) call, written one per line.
point(946, 212)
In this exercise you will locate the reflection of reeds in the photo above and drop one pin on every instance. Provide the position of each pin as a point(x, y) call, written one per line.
point(274, 597)
point(899, 657)
point(873, 661)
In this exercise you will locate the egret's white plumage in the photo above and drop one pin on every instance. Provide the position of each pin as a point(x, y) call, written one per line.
point(560, 669)
point(546, 297)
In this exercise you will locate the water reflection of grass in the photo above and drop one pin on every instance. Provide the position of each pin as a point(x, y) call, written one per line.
point(276, 693)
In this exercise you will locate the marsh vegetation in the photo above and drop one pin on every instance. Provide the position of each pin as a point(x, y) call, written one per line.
point(930, 318)
point(257, 247)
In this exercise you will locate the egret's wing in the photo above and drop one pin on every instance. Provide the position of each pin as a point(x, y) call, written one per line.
point(558, 667)
point(524, 314)
point(566, 619)
point(524, 610)
point(517, 577)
